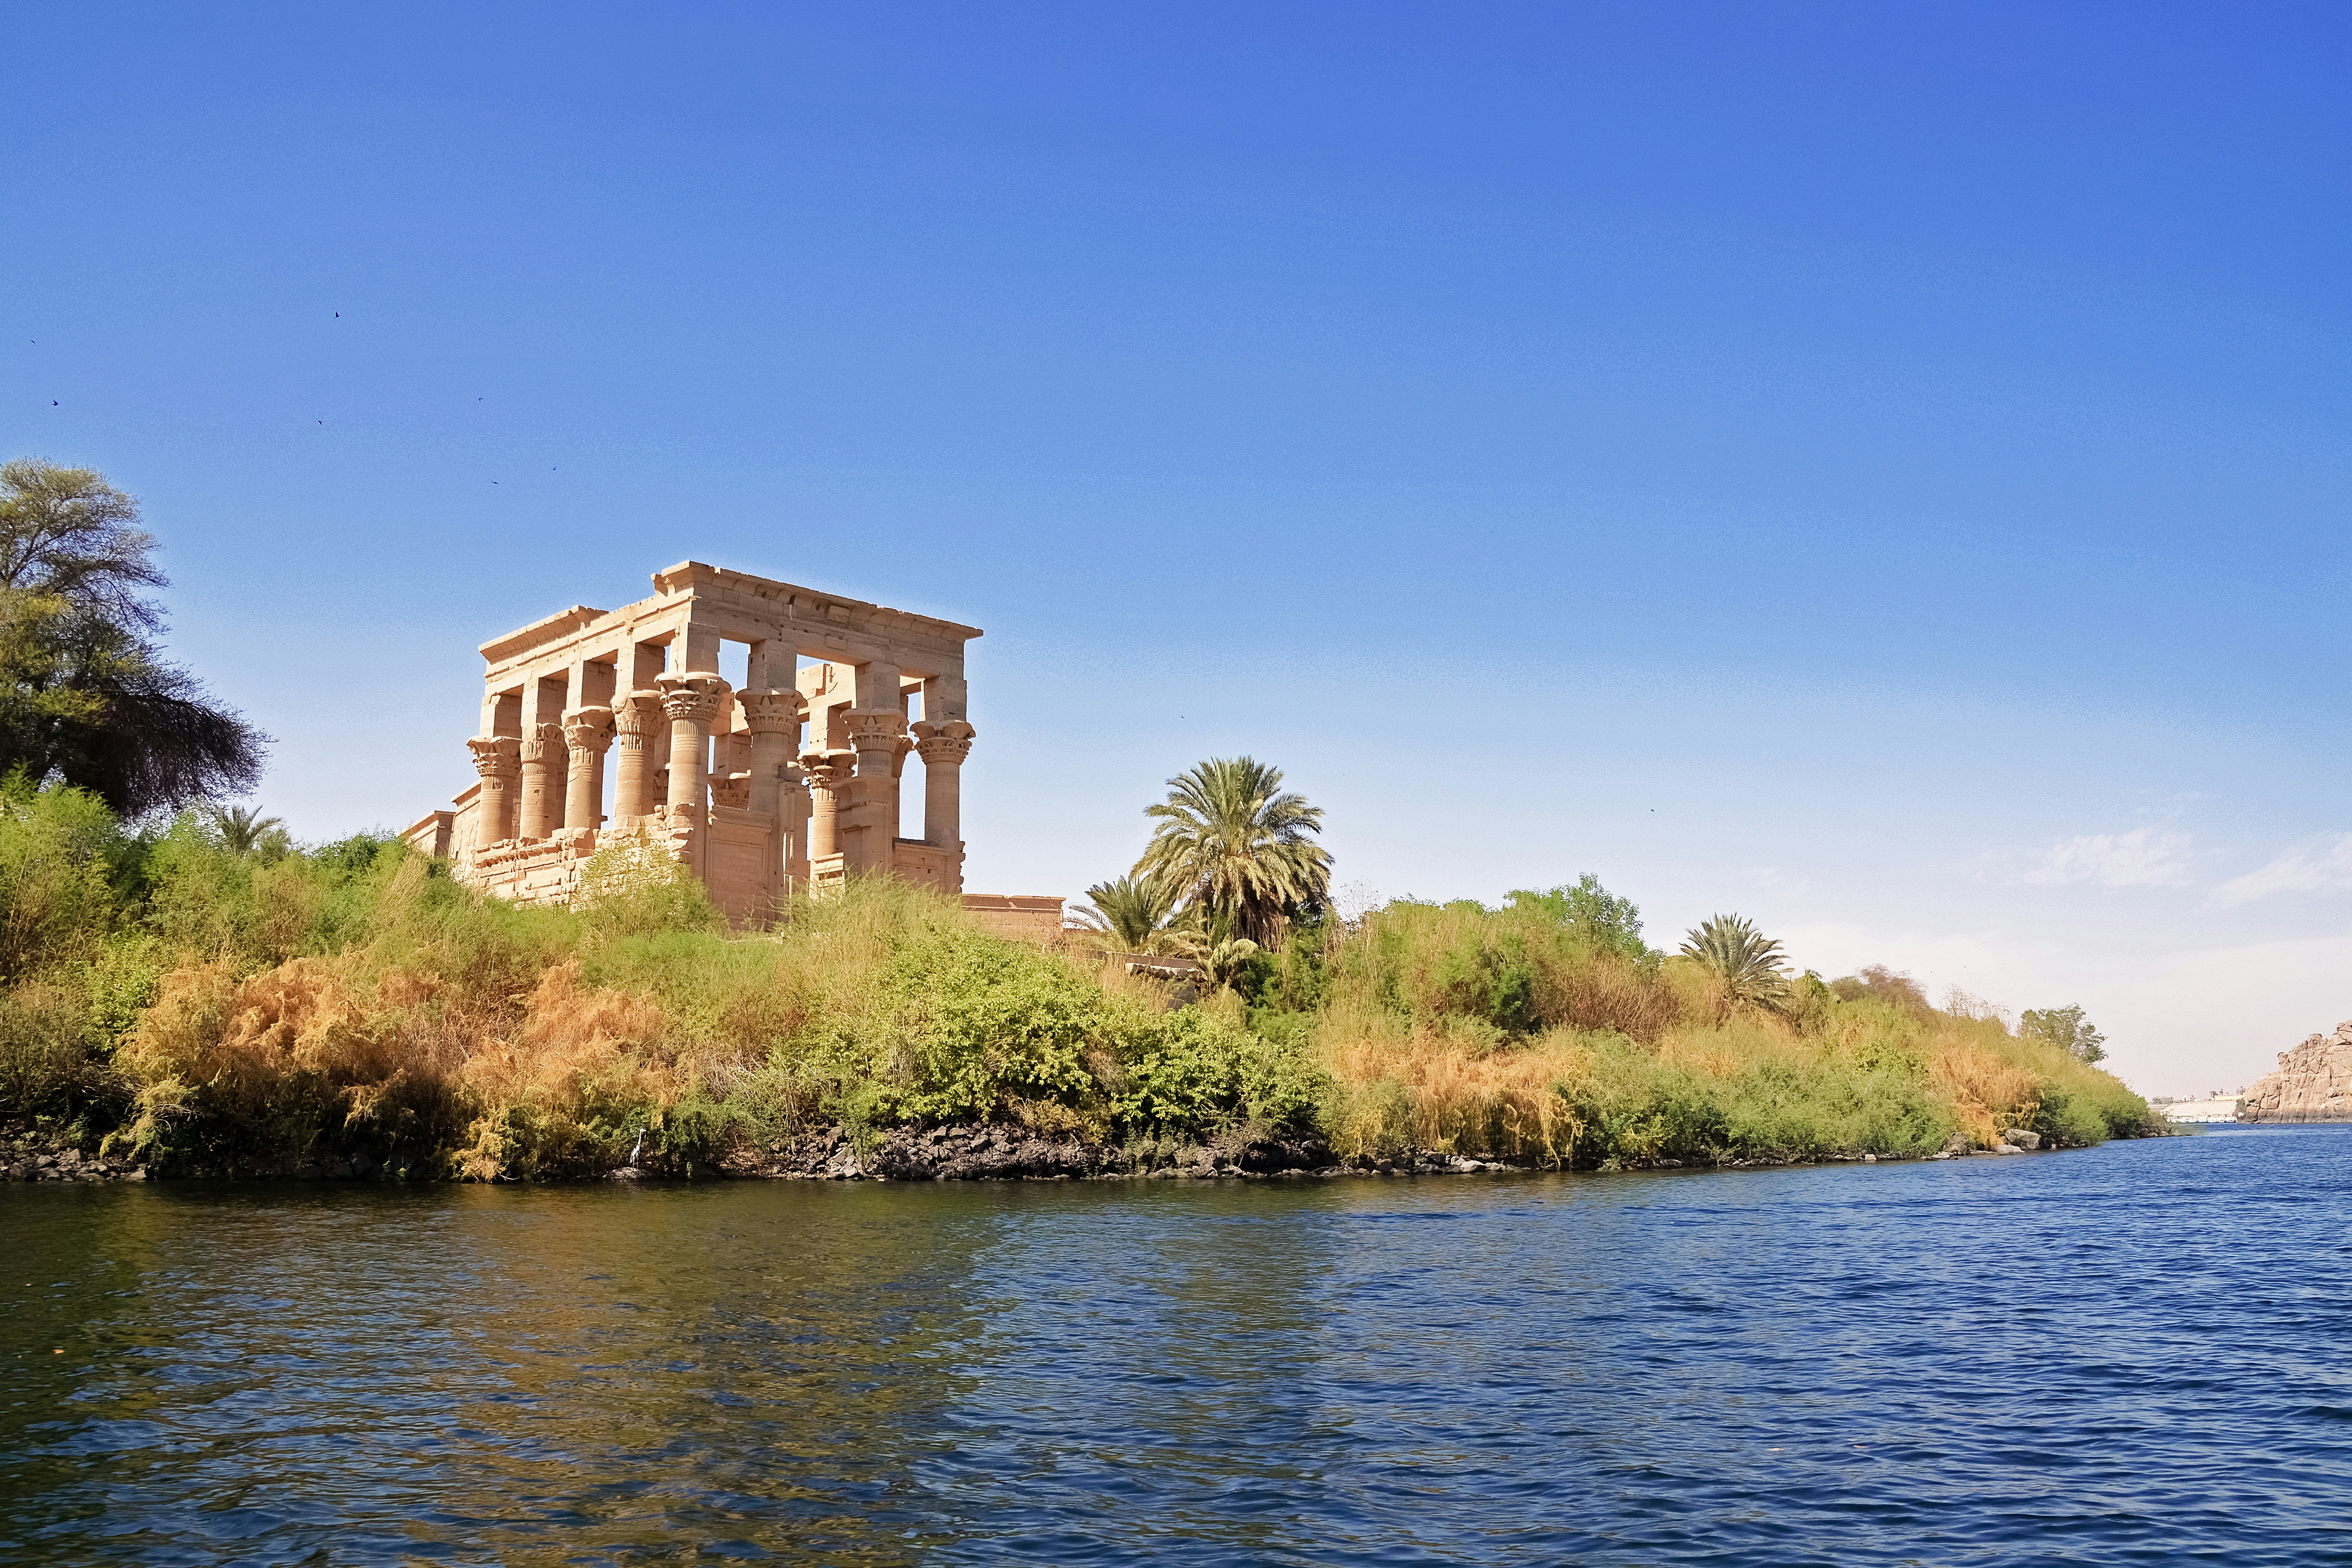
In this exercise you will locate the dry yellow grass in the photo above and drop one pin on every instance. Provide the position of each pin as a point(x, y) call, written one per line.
point(1987, 1090)
point(1446, 1086)
point(586, 1060)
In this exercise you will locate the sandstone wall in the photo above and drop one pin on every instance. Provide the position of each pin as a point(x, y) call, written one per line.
point(2314, 1082)
point(1020, 916)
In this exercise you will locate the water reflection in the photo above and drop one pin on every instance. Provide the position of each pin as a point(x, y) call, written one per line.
point(2113, 1356)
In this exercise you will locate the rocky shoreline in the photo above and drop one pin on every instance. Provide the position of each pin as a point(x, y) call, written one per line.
point(41, 1154)
point(996, 1153)
point(950, 1153)
point(2313, 1083)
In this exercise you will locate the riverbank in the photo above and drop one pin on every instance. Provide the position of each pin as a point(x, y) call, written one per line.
point(195, 1012)
point(969, 1154)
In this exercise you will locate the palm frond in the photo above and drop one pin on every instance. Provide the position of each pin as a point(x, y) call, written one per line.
point(1231, 842)
point(1750, 964)
point(242, 829)
point(1133, 914)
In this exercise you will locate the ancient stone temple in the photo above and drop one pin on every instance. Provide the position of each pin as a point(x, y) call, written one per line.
point(603, 721)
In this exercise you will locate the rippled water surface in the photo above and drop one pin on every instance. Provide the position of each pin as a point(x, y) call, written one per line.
point(2137, 1353)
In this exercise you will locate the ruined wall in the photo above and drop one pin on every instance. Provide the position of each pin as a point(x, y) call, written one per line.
point(1024, 917)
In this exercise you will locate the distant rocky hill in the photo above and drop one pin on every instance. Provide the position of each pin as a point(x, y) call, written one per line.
point(2314, 1082)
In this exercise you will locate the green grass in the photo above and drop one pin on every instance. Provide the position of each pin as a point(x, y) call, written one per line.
point(217, 1012)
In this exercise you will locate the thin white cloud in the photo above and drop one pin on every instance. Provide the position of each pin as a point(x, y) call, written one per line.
point(2143, 857)
point(2322, 866)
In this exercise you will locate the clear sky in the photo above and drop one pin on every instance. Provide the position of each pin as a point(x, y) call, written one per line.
point(1880, 469)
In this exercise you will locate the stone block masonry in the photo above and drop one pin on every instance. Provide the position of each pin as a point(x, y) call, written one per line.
point(792, 784)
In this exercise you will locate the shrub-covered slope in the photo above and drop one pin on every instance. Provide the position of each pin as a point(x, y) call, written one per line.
point(215, 1011)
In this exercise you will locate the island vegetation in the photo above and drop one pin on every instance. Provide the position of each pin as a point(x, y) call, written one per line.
point(209, 1006)
point(182, 982)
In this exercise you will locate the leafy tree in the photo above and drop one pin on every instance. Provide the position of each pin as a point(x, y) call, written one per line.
point(2066, 1029)
point(1237, 849)
point(245, 830)
point(85, 695)
point(1134, 914)
point(1608, 922)
point(1877, 981)
point(1750, 964)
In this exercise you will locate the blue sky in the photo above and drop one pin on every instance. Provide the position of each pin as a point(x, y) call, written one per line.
point(1879, 469)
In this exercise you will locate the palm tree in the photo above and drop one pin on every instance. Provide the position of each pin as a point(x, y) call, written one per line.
point(1748, 963)
point(1221, 961)
point(242, 829)
point(1134, 914)
point(1236, 848)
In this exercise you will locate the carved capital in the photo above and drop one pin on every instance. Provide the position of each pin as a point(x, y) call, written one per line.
point(637, 714)
point(497, 756)
point(732, 789)
point(828, 771)
point(949, 741)
point(773, 713)
point(875, 729)
point(538, 738)
point(692, 698)
point(588, 730)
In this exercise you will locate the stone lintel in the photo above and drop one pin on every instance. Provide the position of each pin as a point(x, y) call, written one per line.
point(737, 607)
point(769, 600)
point(561, 624)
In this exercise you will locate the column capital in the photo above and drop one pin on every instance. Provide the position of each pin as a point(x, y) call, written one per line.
point(692, 698)
point(948, 741)
point(497, 756)
point(588, 729)
point(828, 770)
point(637, 712)
point(875, 729)
point(538, 738)
point(773, 713)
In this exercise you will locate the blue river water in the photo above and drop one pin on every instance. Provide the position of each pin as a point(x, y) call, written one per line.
point(2137, 1353)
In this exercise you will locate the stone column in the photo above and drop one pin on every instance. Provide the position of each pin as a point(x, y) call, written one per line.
point(874, 734)
point(498, 758)
point(828, 774)
point(540, 816)
point(691, 701)
point(635, 717)
point(796, 831)
point(944, 747)
point(586, 732)
point(773, 718)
